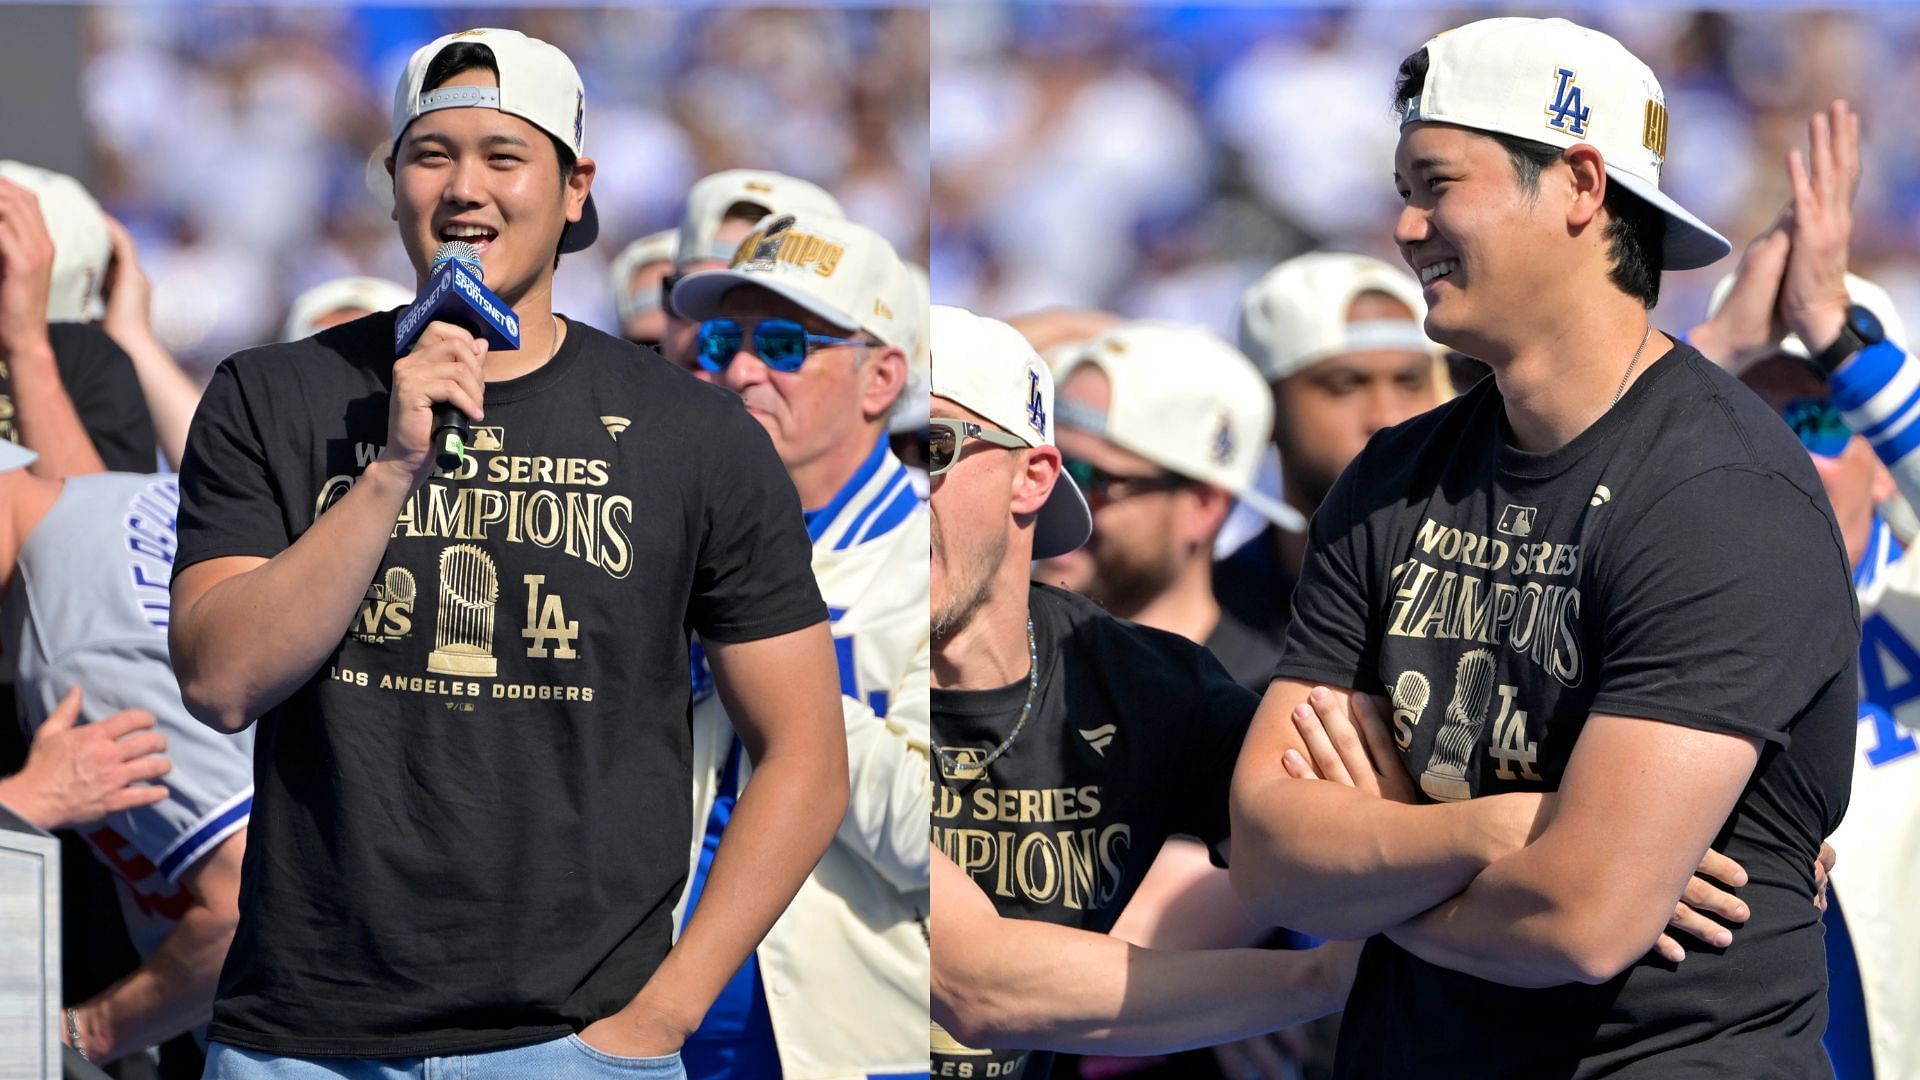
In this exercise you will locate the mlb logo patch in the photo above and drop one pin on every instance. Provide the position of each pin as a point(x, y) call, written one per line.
point(1517, 520)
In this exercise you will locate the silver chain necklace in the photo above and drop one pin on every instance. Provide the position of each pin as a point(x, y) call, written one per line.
point(1631, 364)
point(950, 764)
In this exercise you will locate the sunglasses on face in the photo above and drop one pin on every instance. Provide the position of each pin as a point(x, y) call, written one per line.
point(1098, 485)
point(781, 344)
point(1817, 423)
point(666, 290)
point(945, 436)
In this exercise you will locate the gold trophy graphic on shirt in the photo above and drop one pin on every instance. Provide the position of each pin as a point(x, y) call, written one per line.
point(469, 592)
point(1410, 693)
point(1446, 775)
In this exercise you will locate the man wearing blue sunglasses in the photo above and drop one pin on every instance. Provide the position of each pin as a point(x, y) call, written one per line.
point(812, 325)
point(1852, 405)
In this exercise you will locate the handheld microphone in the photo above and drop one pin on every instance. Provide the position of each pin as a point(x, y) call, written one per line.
point(456, 293)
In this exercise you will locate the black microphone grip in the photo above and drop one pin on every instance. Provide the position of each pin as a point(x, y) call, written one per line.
point(452, 433)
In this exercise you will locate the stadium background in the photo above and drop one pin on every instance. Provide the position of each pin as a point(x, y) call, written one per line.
point(1153, 160)
point(243, 145)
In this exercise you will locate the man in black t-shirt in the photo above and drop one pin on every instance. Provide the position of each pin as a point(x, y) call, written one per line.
point(1607, 573)
point(1068, 746)
point(54, 247)
point(471, 813)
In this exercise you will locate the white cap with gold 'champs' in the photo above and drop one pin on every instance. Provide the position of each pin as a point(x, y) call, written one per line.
point(843, 272)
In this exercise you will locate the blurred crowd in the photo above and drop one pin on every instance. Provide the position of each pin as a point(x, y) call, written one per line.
point(1156, 160)
point(263, 175)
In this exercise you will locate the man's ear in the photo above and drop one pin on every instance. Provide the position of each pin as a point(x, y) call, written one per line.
point(1033, 480)
point(393, 182)
point(579, 185)
point(886, 379)
point(1587, 179)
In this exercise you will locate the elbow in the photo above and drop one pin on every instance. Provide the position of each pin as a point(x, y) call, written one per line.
point(1592, 942)
point(966, 1010)
point(222, 711)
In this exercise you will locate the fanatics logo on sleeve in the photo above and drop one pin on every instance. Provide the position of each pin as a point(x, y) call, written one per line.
point(1099, 737)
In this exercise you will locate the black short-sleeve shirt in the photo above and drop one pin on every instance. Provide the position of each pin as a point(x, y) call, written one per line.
point(1132, 739)
point(1677, 561)
point(100, 380)
point(470, 826)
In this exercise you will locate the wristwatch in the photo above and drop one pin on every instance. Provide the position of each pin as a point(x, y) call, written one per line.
point(1860, 329)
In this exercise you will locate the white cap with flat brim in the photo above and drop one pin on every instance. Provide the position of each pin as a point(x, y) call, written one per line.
point(1185, 400)
point(1559, 83)
point(538, 84)
point(713, 195)
point(843, 272)
point(986, 367)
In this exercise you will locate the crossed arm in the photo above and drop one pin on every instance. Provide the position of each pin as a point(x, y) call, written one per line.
point(1020, 983)
point(1576, 894)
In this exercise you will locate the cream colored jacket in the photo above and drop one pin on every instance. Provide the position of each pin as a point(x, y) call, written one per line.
point(845, 969)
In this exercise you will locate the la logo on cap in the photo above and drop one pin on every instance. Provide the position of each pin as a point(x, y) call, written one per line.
point(1036, 403)
point(1567, 112)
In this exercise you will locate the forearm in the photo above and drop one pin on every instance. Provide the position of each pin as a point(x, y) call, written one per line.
point(49, 424)
point(1037, 986)
point(170, 994)
point(171, 395)
point(891, 793)
point(1327, 860)
point(234, 649)
point(1535, 918)
point(784, 820)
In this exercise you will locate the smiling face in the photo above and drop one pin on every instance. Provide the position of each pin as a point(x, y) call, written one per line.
point(489, 179)
point(1483, 246)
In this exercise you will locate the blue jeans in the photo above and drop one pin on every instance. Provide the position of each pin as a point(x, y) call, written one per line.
point(560, 1059)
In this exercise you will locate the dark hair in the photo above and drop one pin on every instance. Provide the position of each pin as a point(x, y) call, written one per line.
point(467, 55)
point(1636, 231)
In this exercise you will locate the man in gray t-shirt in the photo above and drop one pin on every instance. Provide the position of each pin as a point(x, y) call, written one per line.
point(87, 606)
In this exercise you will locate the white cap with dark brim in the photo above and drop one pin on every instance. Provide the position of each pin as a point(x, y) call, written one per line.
point(985, 366)
point(1559, 83)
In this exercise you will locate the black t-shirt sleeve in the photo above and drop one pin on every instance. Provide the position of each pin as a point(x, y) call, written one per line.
point(1327, 639)
point(228, 504)
point(1212, 737)
point(1728, 607)
point(106, 395)
point(754, 578)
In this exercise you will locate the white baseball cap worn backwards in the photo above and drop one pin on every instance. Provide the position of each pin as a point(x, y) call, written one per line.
point(538, 84)
point(985, 366)
point(1295, 315)
point(82, 247)
point(1558, 83)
